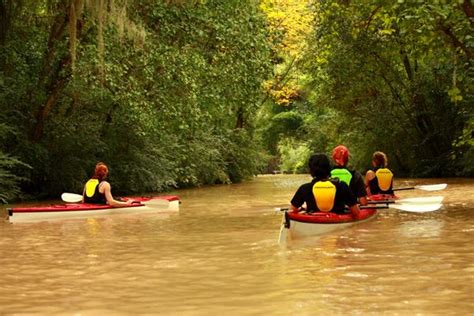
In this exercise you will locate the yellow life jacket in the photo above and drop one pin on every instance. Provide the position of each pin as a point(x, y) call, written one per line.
point(384, 178)
point(90, 187)
point(325, 194)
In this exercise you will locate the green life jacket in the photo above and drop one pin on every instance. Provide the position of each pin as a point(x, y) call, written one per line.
point(343, 174)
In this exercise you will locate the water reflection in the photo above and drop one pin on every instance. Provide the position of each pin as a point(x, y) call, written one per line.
point(421, 228)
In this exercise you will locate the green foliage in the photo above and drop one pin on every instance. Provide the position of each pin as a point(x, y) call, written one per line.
point(464, 147)
point(10, 168)
point(399, 73)
point(378, 75)
point(294, 156)
point(9, 182)
point(176, 110)
point(280, 125)
point(184, 107)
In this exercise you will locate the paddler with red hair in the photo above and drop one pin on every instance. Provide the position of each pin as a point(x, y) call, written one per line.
point(351, 177)
point(99, 191)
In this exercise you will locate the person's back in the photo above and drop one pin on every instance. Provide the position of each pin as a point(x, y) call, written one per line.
point(92, 194)
point(379, 180)
point(322, 193)
point(98, 191)
point(351, 177)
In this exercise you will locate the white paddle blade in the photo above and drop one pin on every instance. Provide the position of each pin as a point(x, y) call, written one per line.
point(282, 236)
point(432, 187)
point(417, 208)
point(71, 197)
point(427, 187)
point(422, 200)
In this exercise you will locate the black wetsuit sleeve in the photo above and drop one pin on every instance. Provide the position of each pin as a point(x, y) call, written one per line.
point(299, 197)
point(358, 185)
point(346, 195)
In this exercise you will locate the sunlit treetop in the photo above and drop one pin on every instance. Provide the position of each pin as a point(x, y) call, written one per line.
point(290, 23)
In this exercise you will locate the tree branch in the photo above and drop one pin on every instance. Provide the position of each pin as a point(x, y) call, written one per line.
point(455, 41)
point(468, 9)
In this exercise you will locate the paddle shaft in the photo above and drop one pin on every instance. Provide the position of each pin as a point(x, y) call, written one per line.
point(415, 200)
point(382, 202)
point(414, 208)
point(362, 207)
point(403, 189)
point(368, 207)
point(425, 187)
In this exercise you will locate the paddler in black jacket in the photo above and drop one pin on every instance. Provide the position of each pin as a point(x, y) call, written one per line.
point(353, 178)
point(379, 180)
point(99, 191)
point(322, 193)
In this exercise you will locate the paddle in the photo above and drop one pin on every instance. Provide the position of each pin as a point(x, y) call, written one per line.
point(416, 208)
point(71, 197)
point(417, 200)
point(413, 208)
point(283, 229)
point(428, 187)
point(77, 198)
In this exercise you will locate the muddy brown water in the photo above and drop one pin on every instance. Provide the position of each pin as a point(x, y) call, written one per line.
point(219, 255)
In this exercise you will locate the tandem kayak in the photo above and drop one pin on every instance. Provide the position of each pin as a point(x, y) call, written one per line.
point(299, 225)
point(81, 210)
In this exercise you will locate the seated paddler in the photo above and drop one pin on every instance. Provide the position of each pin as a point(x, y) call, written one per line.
point(98, 191)
point(379, 180)
point(352, 177)
point(324, 194)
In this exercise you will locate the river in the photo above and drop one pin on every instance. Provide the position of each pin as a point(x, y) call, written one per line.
point(219, 255)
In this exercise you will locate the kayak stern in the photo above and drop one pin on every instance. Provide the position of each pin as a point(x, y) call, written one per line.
point(296, 225)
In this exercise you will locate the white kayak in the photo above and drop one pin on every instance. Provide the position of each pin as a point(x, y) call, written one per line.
point(298, 225)
point(37, 213)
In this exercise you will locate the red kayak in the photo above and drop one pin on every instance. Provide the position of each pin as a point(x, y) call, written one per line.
point(382, 198)
point(74, 210)
point(296, 225)
point(378, 197)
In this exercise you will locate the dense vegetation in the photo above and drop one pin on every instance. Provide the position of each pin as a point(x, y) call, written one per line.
point(182, 93)
point(162, 92)
point(394, 76)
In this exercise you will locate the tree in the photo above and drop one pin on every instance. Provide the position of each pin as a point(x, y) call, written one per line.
point(387, 67)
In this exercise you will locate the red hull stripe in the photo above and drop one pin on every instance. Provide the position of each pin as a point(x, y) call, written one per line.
point(330, 218)
point(74, 207)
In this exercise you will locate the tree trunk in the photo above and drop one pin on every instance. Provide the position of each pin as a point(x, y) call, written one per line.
point(240, 119)
point(468, 9)
point(55, 73)
point(5, 10)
